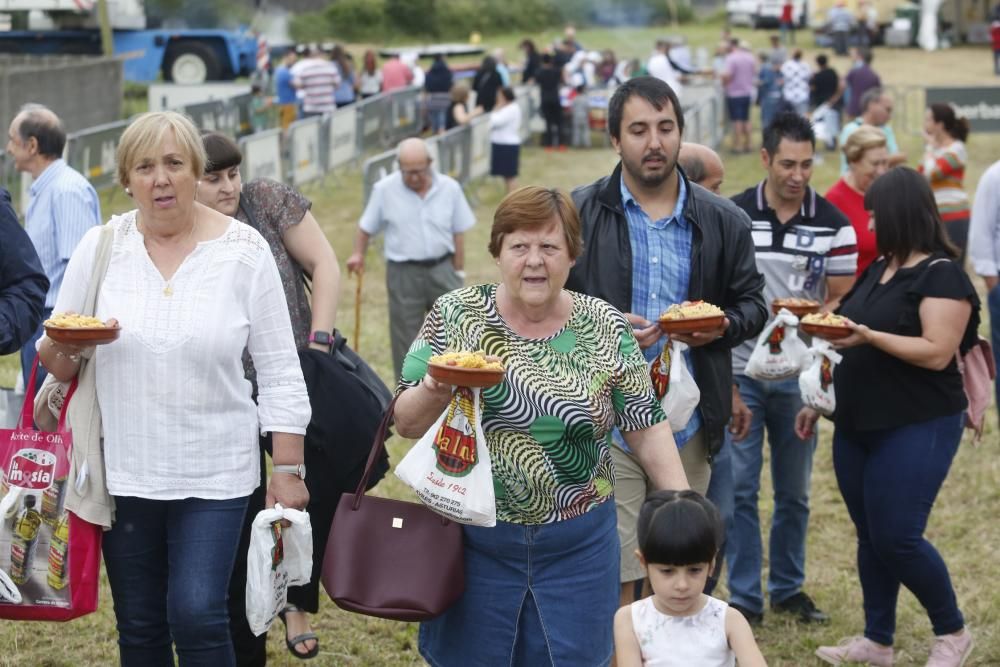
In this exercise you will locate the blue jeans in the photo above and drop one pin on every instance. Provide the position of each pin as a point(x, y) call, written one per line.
point(168, 564)
point(993, 303)
point(774, 405)
point(438, 119)
point(28, 355)
point(534, 596)
point(720, 492)
point(889, 479)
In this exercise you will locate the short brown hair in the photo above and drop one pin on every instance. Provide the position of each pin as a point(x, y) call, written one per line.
point(145, 134)
point(532, 207)
point(862, 140)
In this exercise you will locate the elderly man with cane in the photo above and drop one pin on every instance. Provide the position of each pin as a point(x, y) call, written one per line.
point(424, 215)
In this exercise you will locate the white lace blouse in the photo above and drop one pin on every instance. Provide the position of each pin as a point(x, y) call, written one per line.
point(178, 417)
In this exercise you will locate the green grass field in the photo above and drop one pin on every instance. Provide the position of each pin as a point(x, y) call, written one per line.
point(961, 526)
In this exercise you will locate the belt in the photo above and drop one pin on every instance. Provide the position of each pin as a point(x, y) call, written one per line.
point(426, 263)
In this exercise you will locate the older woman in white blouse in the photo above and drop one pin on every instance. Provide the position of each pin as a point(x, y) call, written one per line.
point(191, 289)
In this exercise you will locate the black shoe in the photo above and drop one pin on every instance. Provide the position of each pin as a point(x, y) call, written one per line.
point(753, 618)
point(803, 607)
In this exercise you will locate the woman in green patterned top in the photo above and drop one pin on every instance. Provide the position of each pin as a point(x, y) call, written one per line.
point(541, 586)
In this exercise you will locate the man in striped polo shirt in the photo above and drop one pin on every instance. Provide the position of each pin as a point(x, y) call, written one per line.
point(317, 78)
point(63, 205)
point(805, 248)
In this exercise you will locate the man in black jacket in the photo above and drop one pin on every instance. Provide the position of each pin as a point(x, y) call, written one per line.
point(23, 284)
point(652, 238)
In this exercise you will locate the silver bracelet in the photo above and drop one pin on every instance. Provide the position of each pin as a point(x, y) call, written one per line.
point(62, 355)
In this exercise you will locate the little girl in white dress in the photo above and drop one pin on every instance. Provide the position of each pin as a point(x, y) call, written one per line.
point(678, 625)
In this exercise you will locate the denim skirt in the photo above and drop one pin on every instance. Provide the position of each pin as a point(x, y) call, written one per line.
point(534, 596)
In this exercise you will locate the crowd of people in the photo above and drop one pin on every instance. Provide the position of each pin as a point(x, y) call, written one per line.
point(613, 523)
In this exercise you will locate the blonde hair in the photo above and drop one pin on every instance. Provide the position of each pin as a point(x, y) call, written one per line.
point(862, 140)
point(533, 207)
point(146, 133)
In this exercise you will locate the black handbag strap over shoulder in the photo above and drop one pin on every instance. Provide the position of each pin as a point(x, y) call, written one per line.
point(378, 446)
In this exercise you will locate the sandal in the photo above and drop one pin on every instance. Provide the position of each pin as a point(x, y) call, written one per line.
point(298, 639)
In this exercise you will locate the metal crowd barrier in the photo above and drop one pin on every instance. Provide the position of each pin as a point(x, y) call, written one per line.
point(216, 116)
point(92, 153)
point(305, 152)
point(452, 151)
point(376, 168)
point(262, 156)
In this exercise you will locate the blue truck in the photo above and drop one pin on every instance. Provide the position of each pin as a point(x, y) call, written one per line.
point(183, 55)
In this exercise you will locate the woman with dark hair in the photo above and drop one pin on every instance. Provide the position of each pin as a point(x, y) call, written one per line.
point(486, 83)
point(532, 61)
point(900, 414)
point(346, 91)
point(370, 76)
point(300, 248)
point(943, 166)
point(541, 587)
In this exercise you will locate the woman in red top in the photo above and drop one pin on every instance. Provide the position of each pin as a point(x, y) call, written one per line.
point(867, 159)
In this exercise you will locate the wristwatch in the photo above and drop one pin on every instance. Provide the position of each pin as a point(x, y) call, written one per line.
point(299, 470)
point(321, 337)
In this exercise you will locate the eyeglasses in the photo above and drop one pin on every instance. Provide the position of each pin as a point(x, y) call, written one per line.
point(408, 173)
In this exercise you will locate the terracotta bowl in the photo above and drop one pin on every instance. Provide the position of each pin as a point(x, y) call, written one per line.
point(465, 377)
point(796, 310)
point(691, 325)
point(83, 335)
point(825, 331)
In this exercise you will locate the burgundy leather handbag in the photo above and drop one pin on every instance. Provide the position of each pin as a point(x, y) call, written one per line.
point(390, 558)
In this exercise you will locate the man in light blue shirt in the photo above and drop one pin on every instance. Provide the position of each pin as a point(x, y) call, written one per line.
point(424, 215)
point(63, 205)
point(876, 110)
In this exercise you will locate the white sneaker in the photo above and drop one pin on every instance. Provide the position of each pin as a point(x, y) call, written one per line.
point(856, 649)
point(951, 650)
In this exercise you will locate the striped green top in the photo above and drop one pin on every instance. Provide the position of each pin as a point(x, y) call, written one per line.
point(547, 425)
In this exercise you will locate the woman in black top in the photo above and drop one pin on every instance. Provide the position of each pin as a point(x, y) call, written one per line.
point(532, 61)
point(900, 414)
point(486, 83)
point(550, 79)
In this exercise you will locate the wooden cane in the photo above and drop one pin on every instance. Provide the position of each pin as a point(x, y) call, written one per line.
point(357, 312)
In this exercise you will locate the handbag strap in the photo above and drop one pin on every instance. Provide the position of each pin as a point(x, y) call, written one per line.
point(28, 408)
point(378, 446)
point(101, 260)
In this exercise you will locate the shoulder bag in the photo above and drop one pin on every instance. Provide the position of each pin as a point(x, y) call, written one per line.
point(390, 558)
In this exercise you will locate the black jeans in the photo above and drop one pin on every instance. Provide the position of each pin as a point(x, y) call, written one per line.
point(552, 112)
point(251, 651)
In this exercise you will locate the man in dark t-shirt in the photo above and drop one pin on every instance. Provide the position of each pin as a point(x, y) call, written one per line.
point(826, 88)
point(806, 249)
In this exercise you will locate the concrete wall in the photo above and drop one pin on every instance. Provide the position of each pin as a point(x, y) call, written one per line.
point(83, 91)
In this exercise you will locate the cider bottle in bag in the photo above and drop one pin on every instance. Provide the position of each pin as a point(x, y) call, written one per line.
point(22, 543)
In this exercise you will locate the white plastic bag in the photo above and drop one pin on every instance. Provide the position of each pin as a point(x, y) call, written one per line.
point(779, 352)
point(674, 385)
point(279, 557)
point(449, 468)
point(816, 381)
